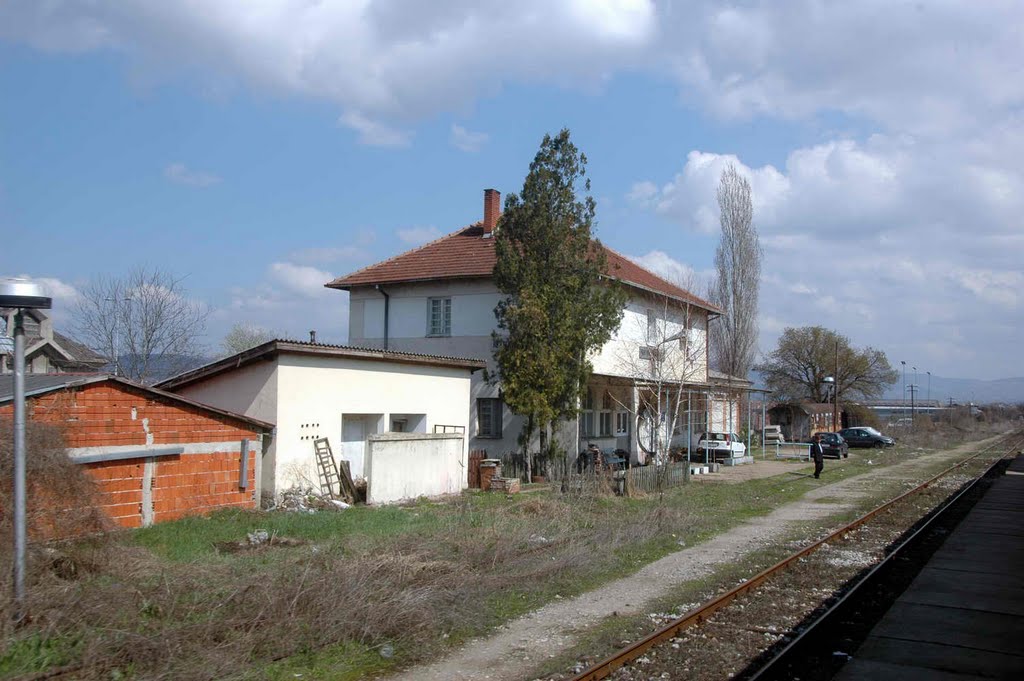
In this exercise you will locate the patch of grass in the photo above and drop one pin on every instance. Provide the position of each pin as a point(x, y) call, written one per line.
point(37, 653)
point(418, 578)
point(346, 661)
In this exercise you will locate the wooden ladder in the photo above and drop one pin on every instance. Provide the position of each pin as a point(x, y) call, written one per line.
point(330, 479)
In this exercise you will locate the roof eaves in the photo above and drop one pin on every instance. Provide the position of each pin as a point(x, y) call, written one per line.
point(276, 346)
point(339, 282)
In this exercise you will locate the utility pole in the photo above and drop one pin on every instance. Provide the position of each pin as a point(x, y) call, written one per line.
point(904, 388)
point(913, 390)
point(836, 426)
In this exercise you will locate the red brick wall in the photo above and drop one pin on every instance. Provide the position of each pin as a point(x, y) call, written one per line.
point(185, 484)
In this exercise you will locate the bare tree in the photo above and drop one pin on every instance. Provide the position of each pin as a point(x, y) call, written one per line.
point(243, 336)
point(736, 287)
point(143, 322)
point(663, 353)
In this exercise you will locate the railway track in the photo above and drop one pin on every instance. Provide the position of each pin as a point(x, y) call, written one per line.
point(660, 654)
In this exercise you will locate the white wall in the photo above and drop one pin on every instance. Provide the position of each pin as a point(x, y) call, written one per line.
point(404, 466)
point(320, 390)
point(473, 303)
point(252, 391)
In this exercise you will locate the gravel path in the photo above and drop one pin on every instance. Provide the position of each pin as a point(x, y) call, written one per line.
point(521, 645)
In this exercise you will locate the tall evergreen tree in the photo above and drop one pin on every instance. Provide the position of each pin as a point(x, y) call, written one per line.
point(557, 309)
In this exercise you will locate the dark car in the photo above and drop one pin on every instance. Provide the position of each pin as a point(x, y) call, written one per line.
point(863, 436)
point(833, 445)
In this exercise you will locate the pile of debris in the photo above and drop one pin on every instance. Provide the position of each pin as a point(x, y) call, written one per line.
point(506, 485)
point(306, 500)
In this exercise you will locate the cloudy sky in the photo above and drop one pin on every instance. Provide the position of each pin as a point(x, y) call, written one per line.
point(261, 148)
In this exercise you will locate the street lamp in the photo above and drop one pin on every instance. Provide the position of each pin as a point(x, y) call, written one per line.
point(20, 294)
point(831, 383)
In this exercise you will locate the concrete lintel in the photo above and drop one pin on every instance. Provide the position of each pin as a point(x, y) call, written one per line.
point(384, 437)
point(134, 453)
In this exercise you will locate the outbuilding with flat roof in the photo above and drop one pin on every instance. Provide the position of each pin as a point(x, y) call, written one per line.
point(345, 394)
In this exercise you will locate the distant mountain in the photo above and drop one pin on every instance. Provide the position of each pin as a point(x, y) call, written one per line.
point(161, 366)
point(963, 390)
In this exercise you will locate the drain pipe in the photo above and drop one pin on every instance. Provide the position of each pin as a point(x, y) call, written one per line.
point(387, 305)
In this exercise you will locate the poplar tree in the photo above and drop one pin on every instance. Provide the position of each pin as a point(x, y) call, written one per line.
point(558, 306)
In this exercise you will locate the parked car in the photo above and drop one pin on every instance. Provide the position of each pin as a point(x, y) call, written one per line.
point(725, 445)
point(833, 445)
point(864, 436)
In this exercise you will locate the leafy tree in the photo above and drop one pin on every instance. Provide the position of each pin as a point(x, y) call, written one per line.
point(144, 322)
point(556, 308)
point(736, 286)
point(241, 337)
point(797, 368)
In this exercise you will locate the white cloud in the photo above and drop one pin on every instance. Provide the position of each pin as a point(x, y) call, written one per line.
point(672, 270)
point(888, 241)
point(375, 133)
point(415, 236)
point(179, 173)
point(290, 298)
point(302, 280)
point(385, 60)
point(467, 141)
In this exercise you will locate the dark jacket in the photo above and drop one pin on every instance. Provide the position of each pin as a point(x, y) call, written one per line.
point(817, 453)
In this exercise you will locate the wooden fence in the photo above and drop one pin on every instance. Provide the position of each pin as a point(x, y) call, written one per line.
point(656, 478)
point(475, 457)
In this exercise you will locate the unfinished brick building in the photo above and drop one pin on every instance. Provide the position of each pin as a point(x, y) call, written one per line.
point(153, 455)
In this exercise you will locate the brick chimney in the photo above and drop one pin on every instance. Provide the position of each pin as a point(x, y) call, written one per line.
point(492, 210)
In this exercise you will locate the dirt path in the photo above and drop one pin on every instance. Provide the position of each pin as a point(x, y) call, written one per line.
point(521, 645)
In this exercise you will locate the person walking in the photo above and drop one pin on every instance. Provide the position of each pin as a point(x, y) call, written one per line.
point(818, 454)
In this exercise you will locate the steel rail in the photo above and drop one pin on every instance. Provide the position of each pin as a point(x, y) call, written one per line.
point(701, 613)
point(929, 520)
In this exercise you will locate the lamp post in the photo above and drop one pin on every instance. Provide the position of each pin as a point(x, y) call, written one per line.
point(904, 388)
point(830, 382)
point(20, 294)
point(929, 397)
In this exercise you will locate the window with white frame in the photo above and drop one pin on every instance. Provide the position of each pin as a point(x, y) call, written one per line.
point(621, 423)
point(587, 415)
point(488, 417)
point(604, 421)
point(439, 316)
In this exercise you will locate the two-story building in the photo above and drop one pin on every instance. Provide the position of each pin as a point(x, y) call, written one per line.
point(439, 299)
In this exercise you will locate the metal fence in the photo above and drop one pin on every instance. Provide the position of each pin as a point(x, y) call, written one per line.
point(792, 450)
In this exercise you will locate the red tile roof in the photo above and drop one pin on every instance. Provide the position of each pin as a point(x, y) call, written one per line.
point(466, 254)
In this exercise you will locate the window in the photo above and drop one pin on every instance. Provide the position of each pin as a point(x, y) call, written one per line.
point(622, 423)
point(587, 415)
point(604, 421)
point(439, 317)
point(648, 352)
point(488, 417)
point(652, 326)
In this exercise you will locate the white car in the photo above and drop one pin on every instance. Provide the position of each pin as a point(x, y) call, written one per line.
point(722, 444)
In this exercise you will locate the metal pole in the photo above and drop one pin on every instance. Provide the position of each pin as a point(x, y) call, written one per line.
point(764, 423)
point(904, 410)
point(836, 426)
point(19, 466)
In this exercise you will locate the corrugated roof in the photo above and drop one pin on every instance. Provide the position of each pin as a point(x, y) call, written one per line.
point(467, 254)
point(40, 384)
point(324, 349)
point(79, 351)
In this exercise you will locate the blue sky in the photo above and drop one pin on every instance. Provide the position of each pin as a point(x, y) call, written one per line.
point(258, 149)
